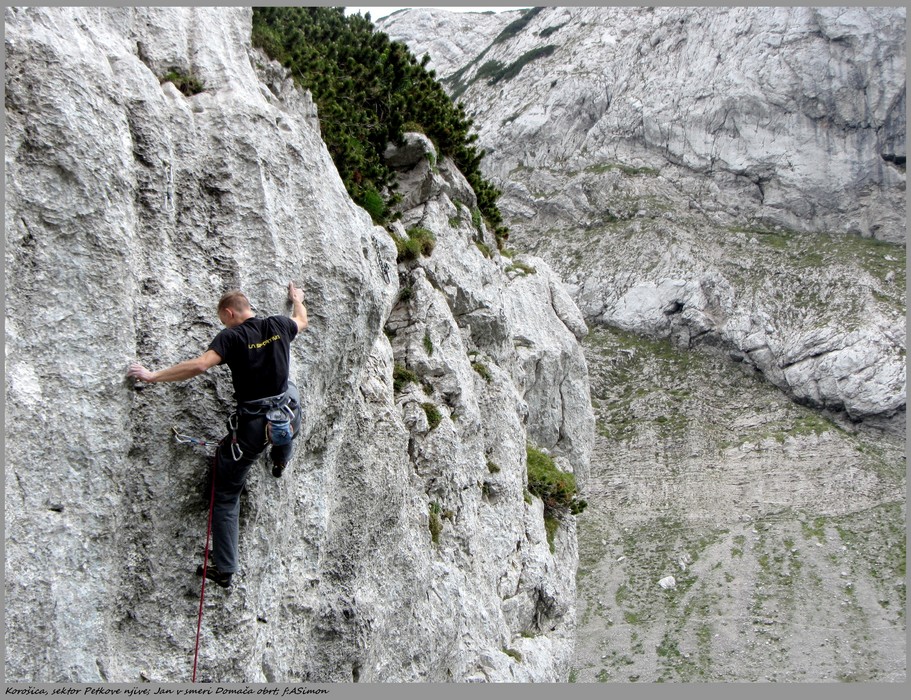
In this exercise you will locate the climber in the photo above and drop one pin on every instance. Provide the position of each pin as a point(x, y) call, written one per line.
point(257, 350)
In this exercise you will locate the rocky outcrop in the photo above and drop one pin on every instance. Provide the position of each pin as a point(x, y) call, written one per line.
point(726, 176)
point(732, 534)
point(401, 544)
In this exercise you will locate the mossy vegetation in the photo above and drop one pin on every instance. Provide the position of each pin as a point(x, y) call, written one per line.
point(435, 522)
point(187, 83)
point(481, 369)
point(551, 525)
point(523, 269)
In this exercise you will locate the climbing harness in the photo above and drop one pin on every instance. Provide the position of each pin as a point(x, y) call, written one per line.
point(279, 416)
point(279, 431)
point(205, 568)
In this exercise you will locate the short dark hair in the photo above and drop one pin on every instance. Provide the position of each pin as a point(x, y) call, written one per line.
point(235, 299)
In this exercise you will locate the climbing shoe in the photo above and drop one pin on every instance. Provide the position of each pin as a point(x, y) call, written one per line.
point(213, 574)
point(277, 469)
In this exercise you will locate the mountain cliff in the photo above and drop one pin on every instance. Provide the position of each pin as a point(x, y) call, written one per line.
point(724, 192)
point(671, 164)
point(154, 160)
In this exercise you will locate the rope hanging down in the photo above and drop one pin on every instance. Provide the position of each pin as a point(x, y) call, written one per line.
point(188, 440)
point(205, 567)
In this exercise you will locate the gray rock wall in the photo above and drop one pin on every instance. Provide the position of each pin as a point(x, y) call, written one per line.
point(733, 533)
point(725, 176)
point(797, 113)
point(130, 209)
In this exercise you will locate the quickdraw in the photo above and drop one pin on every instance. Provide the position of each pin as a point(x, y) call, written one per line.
point(236, 451)
point(187, 440)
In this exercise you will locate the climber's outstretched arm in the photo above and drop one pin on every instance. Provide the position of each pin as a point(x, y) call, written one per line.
point(178, 372)
point(298, 310)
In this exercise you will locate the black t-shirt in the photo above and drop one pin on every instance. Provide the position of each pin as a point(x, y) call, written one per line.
point(258, 351)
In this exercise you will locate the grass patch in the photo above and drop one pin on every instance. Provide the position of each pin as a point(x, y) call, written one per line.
point(556, 488)
point(517, 655)
point(373, 203)
point(428, 343)
point(187, 83)
point(436, 522)
point(420, 241)
point(522, 268)
point(629, 170)
point(481, 369)
point(433, 414)
point(551, 525)
point(402, 376)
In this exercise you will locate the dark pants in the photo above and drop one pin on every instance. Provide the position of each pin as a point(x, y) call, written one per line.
point(231, 475)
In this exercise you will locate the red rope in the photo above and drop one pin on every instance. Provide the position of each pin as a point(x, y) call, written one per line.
point(205, 567)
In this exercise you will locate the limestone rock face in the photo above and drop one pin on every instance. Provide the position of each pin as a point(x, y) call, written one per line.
point(695, 175)
point(725, 176)
point(400, 544)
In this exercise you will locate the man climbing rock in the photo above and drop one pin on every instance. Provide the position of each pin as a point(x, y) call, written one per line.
point(257, 350)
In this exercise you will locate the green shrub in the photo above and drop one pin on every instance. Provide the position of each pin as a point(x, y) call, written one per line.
point(497, 73)
point(556, 488)
point(402, 376)
point(428, 343)
point(517, 25)
point(544, 33)
point(373, 203)
point(433, 414)
point(369, 91)
point(420, 241)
